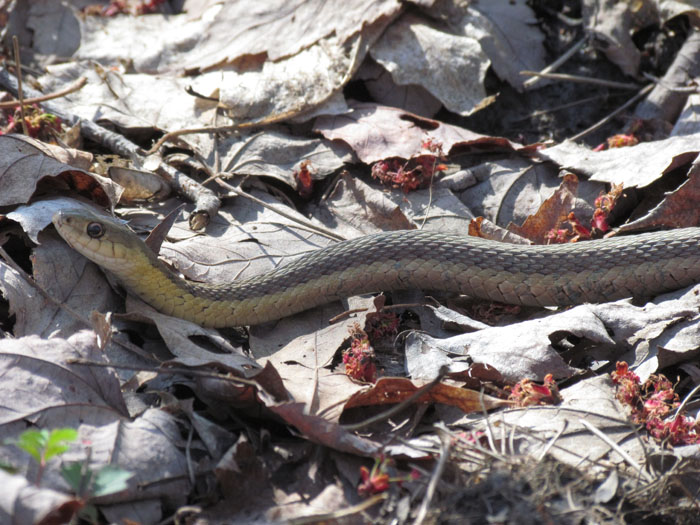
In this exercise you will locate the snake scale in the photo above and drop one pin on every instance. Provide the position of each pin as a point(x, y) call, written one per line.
point(556, 275)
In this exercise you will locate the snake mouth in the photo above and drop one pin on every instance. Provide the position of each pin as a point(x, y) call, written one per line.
point(66, 228)
point(58, 219)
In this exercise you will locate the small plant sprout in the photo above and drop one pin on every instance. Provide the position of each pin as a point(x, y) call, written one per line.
point(44, 444)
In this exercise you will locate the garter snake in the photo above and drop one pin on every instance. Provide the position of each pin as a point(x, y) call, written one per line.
point(641, 265)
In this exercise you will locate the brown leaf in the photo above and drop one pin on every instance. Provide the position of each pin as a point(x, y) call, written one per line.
point(24, 502)
point(551, 213)
point(24, 162)
point(508, 34)
point(192, 344)
point(324, 432)
point(302, 348)
point(612, 24)
point(636, 166)
point(392, 390)
point(378, 132)
point(449, 66)
point(678, 209)
point(485, 229)
point(357, 208)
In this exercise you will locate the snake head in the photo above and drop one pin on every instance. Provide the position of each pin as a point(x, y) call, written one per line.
point(102, 239)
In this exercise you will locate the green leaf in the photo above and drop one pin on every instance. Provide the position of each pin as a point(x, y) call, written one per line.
point(110, 479)
point(89, 513)
point(59, 441)
point(33, 442)
point(73, 474)
point(43, 445)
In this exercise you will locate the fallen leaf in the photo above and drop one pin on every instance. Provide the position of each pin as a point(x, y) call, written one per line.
point(634, 166)
point(24, 502)
point(392, 390)
point(521, 350)
point(378, 132)
point(678, 209)
point(24, 162)
point(553, 212)
point(450, 67)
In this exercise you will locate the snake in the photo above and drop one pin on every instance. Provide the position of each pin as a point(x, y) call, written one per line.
point(638, 266)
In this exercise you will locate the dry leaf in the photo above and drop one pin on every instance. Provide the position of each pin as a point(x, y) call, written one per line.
point(391, 390)
point(378, 132)
point(24, 162)
point(24, 502)
point(678, 209)
point(518, 351)
point(637, 166)
point(450, 67)
point(553, 212)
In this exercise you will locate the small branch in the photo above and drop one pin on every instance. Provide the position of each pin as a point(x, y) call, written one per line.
point(334, 517)
point(582, 80)
point(220, 129)
point(20, 94)
point(169, 370)
point(77, 85)
point(642, 92)
point(318, 229)
point(687, 398)
point(631, 462)
point(434, 479)
point(556, 64)
point(400, 406)
point(206, 202)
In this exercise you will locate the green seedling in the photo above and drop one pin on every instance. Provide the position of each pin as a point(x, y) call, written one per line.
point(43, 445)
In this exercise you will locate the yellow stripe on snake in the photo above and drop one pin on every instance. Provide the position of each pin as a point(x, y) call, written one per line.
point(556, 275)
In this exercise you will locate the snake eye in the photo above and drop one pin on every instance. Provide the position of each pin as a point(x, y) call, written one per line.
point(95, 230)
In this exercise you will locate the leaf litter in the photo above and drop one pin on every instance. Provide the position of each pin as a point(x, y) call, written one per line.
point(406, 407)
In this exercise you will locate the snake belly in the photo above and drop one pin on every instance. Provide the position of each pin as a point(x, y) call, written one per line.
point(555, 275)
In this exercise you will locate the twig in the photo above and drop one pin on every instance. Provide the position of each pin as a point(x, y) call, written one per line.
point(332, 517)
point(582, 80)
point(686, 399)
point(218, 129)
point(487, 420)
point(169, 370)
point(400, 406)
point(630, 461)
point(206, 202)
point(430, 195)
point(558, 62)
point(77, 85)
point(188, 457)
point(552, 441)
point(318, 229)
point(642, 92)
point(568, 105)
point(670, 87)
point(568, 20)
point(434, 479)
point(20, 94)
point(346, 314)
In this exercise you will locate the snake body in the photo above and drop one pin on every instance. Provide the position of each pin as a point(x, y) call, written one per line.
point(556, 275)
